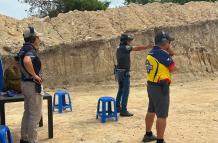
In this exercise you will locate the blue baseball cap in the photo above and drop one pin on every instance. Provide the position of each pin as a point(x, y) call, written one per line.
point(162, 37)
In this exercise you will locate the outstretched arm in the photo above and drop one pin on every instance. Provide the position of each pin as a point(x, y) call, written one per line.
point(140, 48)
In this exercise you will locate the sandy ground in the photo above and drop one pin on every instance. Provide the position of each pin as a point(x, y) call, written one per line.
point(193, 116)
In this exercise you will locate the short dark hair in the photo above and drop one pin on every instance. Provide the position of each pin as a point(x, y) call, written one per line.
point(124, 38)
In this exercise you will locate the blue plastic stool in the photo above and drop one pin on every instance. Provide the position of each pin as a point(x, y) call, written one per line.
point(5, 132)
point(62, 105)
point(104, 113)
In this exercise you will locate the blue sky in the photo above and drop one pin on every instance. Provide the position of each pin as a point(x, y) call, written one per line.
point(15, 9)
point(116, 3)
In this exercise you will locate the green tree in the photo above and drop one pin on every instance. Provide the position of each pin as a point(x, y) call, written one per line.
point(52, 8)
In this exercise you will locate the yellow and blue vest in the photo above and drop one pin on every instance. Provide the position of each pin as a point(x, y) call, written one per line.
point(157, 64)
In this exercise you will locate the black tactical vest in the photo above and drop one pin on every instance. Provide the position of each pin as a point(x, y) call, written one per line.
point(123, 57)
point(29, 50)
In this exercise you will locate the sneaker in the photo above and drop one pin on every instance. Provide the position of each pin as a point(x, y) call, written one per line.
point(161, 142)
point(149, 138)
point(126, 114)
point(22, 141)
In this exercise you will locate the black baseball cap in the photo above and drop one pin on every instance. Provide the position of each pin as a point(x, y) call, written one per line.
point(126, 37)
point(163, 37)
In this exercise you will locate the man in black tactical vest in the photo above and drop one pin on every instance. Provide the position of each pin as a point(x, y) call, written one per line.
point(30, 66)
point(122, 71)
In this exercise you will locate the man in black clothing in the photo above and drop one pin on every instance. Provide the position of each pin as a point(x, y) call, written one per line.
point(122, 71)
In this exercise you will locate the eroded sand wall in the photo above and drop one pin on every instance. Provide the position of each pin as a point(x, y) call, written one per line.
point(93, 61)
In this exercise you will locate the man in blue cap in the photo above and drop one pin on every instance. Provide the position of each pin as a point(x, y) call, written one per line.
point(159, 65)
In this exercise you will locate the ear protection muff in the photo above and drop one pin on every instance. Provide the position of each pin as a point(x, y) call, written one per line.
point(32, 34)
point(164, 36)
point(32, 31)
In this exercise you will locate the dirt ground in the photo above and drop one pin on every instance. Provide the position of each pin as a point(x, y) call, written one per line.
point(193, 116)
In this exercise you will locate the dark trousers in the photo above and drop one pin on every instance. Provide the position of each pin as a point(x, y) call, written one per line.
point(123, 78)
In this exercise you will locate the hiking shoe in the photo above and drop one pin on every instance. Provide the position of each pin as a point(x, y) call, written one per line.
point(161, 141)
point(149, 138)
point(126, 114)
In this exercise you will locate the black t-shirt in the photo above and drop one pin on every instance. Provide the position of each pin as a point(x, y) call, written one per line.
point(29, 50)
point(123, 57)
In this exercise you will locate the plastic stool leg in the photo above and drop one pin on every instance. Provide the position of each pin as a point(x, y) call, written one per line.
point(109, 108)
point(2, 137)
point(103, 117)
point(60, 103)
point(9, 136)
point(70, 104)
point(98, 108)
point(64, 100)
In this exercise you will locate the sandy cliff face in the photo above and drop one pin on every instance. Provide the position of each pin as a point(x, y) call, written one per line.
point(93, 61)
point(80, 46)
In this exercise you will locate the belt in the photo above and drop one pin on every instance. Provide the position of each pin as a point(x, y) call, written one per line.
point(153, 83)
point(158, 84)
point(24, 80)
point(124, 70)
